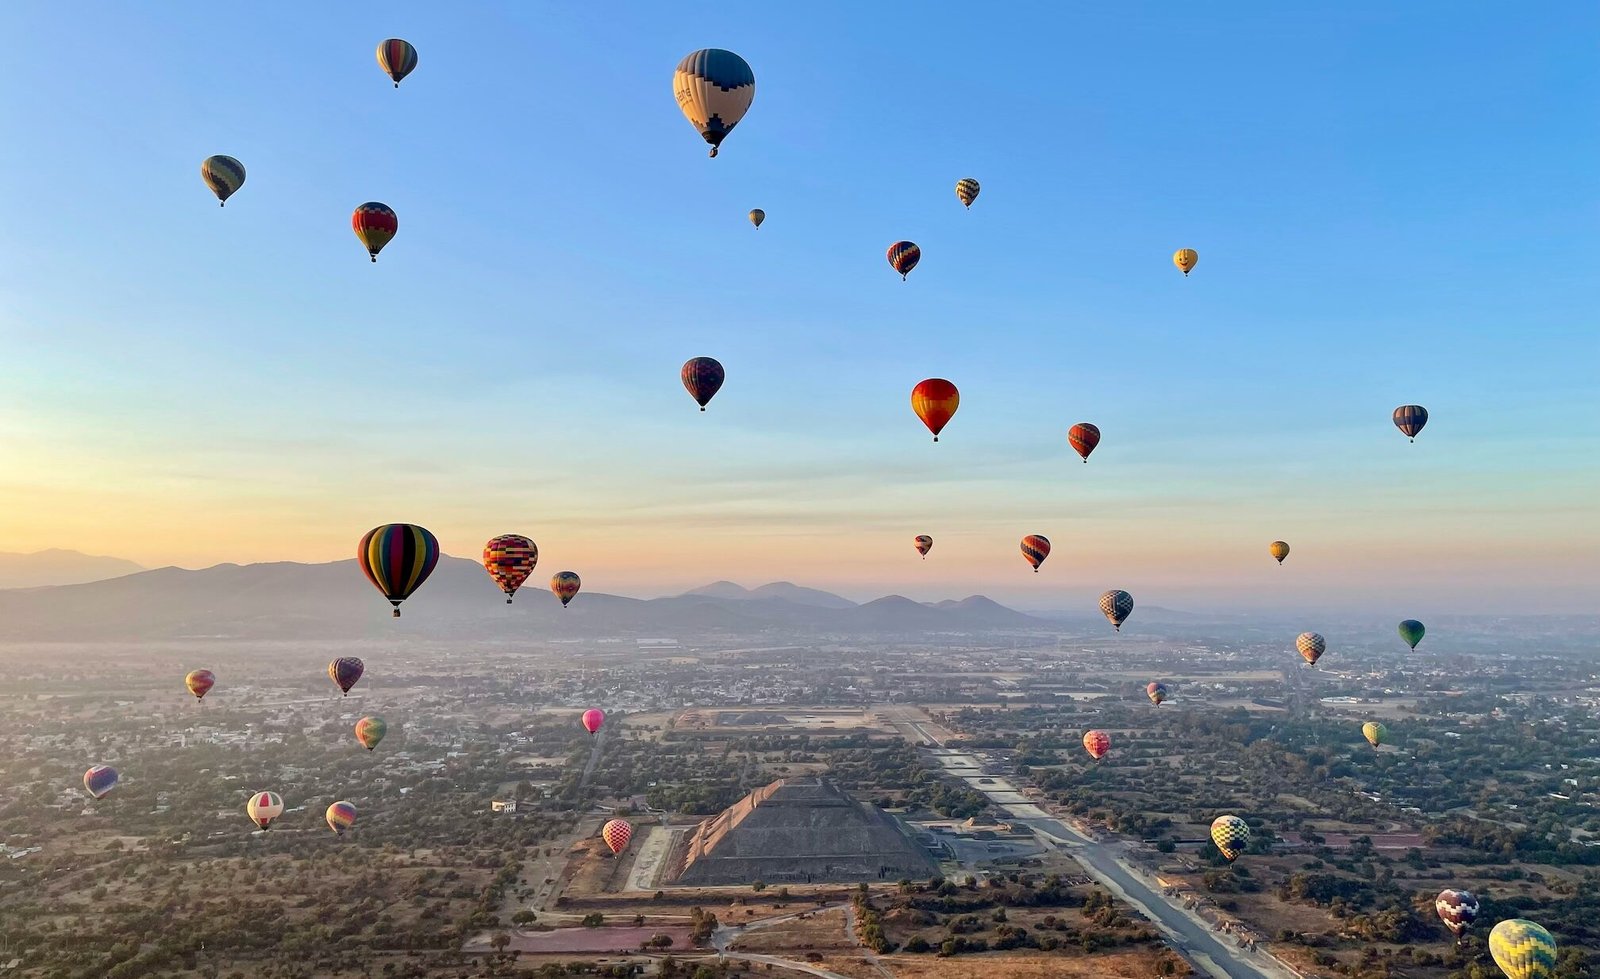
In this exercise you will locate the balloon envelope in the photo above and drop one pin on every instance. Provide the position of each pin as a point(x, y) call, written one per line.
point(345, 671)
point(967, 190)
point(714, 89)
point(200, 682)
point(757, 215)
point(376, 225)
point(1116, 605)
point(509, 559)
point(702, 378)
point(1523, 950)
point(904, 256)
point(592, 719)
point(1410, 419)
point(935, 401)
point(617, 833)
point(1084, 437)
point(1375, 733)
point(1279, 550)
point(1035, 548)
point(264, 807)
point(397, 558)
point(1185, 259)
point(1311, 646)
point(341, 816)
point(565, 585)
point(1157, 692)
point(99, 780)
point(924, 544)
point(1412, 632)
point(224, 175)
point(1457, 909)
point(397, 58)
point(1097, 743)
point(370, 730)
point(1231, 834)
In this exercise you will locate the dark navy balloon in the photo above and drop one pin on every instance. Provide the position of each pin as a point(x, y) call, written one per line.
point(1410, 419)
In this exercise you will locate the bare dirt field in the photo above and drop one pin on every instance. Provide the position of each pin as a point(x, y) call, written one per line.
point(1054, 965)
point(823, 931)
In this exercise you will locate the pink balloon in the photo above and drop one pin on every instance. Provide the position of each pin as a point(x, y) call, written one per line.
point(592, 719)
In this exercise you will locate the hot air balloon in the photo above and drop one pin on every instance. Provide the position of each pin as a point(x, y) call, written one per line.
point(1375, 733)
point(1457, 909)
point(397, 558)
point(1116, 605)
point(509, 559)
point(1035, 548)
point(757, 215)
point(1185, 259)
point(1231, 834)
point(967, 190)
point(397, 58)
point(1412, 632)
point(617, 833)
point(1097, 743)
point(370, 730)
point(714, 88)
point(376, 225)
point(200, 682)
point(1279, 550)
point(903, 257)
point(224, 175)
point(1157, 692)
point(1311, 646)
point(924, 544)
point(1523, 950)
point(702, 378)
point(1084, 437)
point(565, 584)
point(341, 816)
point(345, 671)
point(99, 780)
point(1410, 419)
point(592, 719)
point(264, 807)
point(935, 401)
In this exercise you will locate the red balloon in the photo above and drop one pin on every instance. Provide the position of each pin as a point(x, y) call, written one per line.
point(1097, 743)
point(1084, 437)
point(617, 833)
point(592, 719)
point(935, 401)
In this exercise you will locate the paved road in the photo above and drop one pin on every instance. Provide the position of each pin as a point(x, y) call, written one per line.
point(597, 740)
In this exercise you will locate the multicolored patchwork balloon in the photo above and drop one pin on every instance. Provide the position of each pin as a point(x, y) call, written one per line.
point(224, 175)
point(1157, 692)
point(617, 833)
point(1231, 835)
point(903, 257)
point(967, 190)
point(1311, 646)
point(376, 225)
point(341, 816)
point(1116, 605)
point(935, 401)
point(509, 559)
point(370, 730)
point(1457, 909)
point(1035, 548)
point(1097, 743)
point(1084, 437)
point(1523, 950)
point(565, 585)
point(99, 780)
point(397, 58)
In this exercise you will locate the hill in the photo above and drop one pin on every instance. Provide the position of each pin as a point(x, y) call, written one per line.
point(287, 600)
point(60, 567)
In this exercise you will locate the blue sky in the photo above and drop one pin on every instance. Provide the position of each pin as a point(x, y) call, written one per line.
point(1392, 204)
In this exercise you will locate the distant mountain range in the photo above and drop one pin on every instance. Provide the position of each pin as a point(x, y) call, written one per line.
point(59, 567)
point(334, 601)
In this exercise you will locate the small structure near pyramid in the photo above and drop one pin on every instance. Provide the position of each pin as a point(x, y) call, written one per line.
point(799, 831)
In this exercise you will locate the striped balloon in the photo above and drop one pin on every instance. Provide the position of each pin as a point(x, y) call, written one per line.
point(1083, 437)
point(341, 816)
point(345, 671)
point(263, 808)
point(617, 833)
point(370, 730)
point(1410, 419)
point(397, 558)
point(509, 559)
point(99, 780)
point(1311, 646)
point(714, 89)
point(1186, 259)
point(1116, 605)
point(1523, 950)
point(935, 401)
point(224, 175)
point(1231, 835)
point(967, 190)
point(1035, 548)
point(565, 585)
point(903, 257)
point(1097, 743)
point(397, 58)
point(1457, 909)
point(702, 378)
point(376, 225)
point(924, 544)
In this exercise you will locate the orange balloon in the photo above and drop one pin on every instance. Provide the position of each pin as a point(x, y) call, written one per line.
point(1097, 743)
point(935, 401)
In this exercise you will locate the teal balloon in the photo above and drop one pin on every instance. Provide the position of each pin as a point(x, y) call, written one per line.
point(1412, 632)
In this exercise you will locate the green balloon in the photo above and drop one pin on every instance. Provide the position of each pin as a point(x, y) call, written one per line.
point(1412, 632)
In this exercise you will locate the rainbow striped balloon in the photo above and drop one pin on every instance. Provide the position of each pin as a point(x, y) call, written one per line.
point(341, 816)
